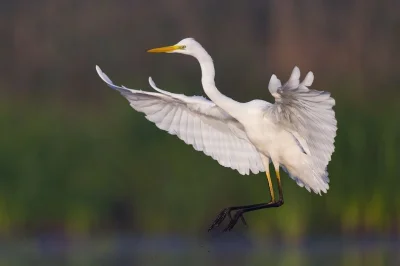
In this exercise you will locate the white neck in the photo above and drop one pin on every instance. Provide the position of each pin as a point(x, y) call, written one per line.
point(231, 106)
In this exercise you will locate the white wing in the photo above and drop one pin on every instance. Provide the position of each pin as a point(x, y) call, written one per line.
point(198, 122)
point(308, 115)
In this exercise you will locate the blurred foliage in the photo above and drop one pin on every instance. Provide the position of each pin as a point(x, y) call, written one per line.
point(74, 169)
point(75, 158)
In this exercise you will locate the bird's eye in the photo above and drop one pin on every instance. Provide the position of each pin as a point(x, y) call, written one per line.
point(183, 47)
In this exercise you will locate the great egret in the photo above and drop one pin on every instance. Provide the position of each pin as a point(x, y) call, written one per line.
point(296, 132)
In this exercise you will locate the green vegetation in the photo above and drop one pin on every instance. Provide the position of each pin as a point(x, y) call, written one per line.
point(67, 168)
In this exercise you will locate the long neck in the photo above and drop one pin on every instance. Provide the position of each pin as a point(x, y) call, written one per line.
point(207, 79)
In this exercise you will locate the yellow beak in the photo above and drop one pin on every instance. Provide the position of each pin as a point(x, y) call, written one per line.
point(165, 49)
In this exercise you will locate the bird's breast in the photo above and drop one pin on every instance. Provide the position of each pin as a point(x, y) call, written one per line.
point(263, 134)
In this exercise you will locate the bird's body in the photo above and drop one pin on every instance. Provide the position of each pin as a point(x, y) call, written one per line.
point(274, 142)
point(277, 144)
point(296, 133)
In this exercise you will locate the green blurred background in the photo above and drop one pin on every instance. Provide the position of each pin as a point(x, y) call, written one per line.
point(78, 164)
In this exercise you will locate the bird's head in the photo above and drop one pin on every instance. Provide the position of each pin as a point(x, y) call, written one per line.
point(187, 46)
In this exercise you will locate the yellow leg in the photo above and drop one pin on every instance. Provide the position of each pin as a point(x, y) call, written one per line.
point(278, 176)
point(271, 188)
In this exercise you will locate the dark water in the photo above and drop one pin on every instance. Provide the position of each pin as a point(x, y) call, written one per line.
point(215, 250)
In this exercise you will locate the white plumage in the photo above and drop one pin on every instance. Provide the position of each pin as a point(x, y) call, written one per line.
point(296, 133)
point(308, 115)
point(198, 122)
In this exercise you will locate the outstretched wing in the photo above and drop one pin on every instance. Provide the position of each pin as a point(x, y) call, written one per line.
point(308, 115)
point(198, 122)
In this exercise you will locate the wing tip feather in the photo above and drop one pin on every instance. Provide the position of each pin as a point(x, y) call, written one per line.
point(103, 75)
point(274, 83)
point(295, 73)
point(152, 83)
point(309, 79)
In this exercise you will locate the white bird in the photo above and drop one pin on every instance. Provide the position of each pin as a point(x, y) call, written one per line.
point(296, 132)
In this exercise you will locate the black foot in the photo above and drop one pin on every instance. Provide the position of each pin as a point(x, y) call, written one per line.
point(233, 220)
point(240, 210)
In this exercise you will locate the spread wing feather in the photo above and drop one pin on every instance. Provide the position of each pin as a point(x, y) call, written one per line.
point(307, 114)
point(198, 122)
